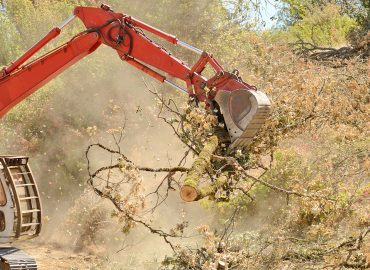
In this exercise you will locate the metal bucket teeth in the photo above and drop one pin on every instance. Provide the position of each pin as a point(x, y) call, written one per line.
point(245, 112)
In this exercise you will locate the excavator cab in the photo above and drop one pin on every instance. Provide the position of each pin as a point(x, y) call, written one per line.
point(20, 205)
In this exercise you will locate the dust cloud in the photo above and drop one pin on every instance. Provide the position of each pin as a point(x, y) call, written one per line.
point(97, 94)
point(97, 104)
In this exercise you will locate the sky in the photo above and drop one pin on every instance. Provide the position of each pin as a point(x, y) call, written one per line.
point(269, 11)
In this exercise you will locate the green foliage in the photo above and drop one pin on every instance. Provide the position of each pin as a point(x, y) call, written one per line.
point(323, 26)
point(9, 36)
point(323, 23)
point(294, 10)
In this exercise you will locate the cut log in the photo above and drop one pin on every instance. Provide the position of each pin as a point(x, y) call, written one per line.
point(221, 265)
point(211, 189)
point(189, 191)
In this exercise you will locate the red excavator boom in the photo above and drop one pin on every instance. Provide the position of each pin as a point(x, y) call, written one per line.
point(243, 107)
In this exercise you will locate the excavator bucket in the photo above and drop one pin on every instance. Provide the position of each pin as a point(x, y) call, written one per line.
point(244, 112)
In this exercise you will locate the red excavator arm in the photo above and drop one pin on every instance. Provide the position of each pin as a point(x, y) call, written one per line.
point(244, 108)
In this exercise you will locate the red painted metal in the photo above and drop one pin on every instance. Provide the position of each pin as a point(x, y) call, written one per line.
point(135, 44)
point(145, 69)
point(123, 34)
point(170, 38)
point(37, 47)
point(23, 82)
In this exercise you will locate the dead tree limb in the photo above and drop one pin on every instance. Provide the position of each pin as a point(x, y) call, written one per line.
point(313, 52)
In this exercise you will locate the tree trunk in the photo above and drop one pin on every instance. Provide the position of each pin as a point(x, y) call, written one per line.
point(221, 265)
point(211, 189)
point(190, 191)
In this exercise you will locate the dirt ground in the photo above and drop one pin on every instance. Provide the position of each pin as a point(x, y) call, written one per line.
point(50, 257)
